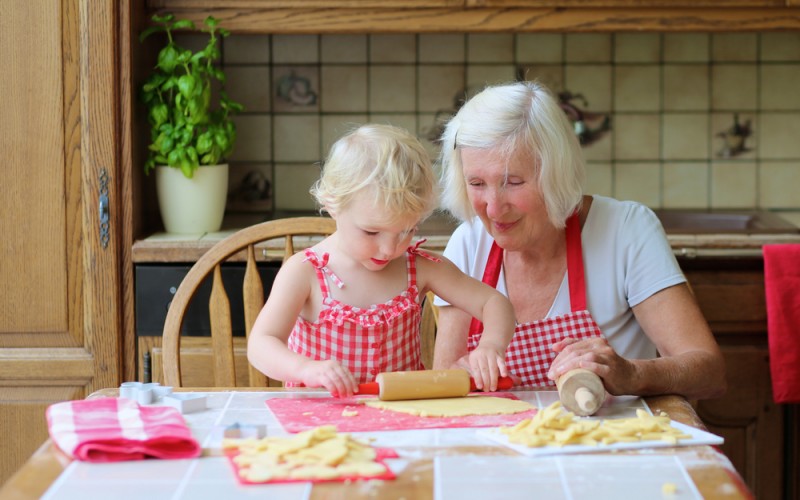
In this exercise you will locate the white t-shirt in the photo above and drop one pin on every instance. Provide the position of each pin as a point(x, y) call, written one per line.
point(626, 257)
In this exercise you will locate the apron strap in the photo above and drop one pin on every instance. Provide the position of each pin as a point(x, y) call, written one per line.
point(575, 275)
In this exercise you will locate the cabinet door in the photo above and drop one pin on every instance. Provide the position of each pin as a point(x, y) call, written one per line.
point(60, 300)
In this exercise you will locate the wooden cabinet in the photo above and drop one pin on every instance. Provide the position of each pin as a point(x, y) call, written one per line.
point(61, 264)
point(425, 16)
point(731, 294)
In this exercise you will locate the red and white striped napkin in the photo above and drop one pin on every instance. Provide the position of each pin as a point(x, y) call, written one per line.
point(116, 429)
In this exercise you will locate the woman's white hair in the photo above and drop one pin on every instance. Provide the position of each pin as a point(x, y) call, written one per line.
point(387, 162)
point(513, 118)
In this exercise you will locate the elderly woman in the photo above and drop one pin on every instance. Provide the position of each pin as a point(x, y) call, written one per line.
point(593, 280)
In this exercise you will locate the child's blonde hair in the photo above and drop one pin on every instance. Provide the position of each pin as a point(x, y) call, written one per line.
point(387, 159)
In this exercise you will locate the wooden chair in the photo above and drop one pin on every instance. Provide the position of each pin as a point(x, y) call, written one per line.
point(222, 344)
point(244, 240)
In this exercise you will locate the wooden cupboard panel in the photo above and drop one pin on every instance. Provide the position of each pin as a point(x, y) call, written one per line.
point(33, 224)
point(751, 423)
point(19, 407)
point(197, 361)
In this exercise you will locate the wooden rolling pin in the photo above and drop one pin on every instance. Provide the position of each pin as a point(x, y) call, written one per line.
point(581, 391)
point(424, 384)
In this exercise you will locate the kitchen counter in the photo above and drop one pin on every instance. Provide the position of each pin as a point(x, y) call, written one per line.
point(433, 463)
point(691, 234)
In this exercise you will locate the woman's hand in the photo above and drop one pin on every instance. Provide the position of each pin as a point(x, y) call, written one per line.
point(331, 375)
point(595, 355)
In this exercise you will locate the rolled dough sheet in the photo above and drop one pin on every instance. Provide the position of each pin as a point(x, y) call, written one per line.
point(454, 407)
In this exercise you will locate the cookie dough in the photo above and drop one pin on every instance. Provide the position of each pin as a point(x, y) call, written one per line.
point(454, 407)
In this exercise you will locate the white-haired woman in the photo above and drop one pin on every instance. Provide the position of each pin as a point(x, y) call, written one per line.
point(593, 280)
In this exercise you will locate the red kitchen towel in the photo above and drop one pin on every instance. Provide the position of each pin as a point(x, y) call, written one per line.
point(782, 288)
point(116, 429)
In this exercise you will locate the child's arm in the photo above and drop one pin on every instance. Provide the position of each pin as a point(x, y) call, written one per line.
point(487, 360)
point(266, 347)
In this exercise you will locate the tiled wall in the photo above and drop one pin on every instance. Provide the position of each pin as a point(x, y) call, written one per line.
point(669, 97)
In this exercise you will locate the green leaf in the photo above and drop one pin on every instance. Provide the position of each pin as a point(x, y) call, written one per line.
point(187, 169)
point(168, 59)
point(186, 85)
point(204, 142)
point(165, 19)
point(149, 31)
point(174, 157)
point(159, 114)
point(211, 22)
point(183, 24)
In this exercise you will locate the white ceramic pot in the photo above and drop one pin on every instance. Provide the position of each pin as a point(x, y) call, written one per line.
point(192, 206)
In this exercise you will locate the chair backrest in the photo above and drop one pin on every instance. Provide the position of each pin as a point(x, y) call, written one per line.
point(244, 240)
point(427, 330)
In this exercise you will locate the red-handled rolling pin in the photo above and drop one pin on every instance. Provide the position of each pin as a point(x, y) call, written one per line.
point(425, 384)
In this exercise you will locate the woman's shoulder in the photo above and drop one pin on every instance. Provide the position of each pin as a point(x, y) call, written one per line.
point(625, 213)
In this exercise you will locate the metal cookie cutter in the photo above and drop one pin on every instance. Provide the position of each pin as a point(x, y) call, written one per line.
point(142, 393)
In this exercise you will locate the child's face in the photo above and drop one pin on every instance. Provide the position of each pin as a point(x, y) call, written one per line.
point(367, 238)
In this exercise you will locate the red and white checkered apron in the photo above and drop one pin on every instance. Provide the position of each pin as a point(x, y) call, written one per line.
point(529, 354)
point(381, 338)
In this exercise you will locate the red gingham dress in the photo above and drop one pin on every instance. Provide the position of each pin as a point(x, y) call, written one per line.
point(529, 354)
point(367, 341)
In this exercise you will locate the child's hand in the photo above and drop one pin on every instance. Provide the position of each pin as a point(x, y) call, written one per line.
point(331, 375)
point(486, 364)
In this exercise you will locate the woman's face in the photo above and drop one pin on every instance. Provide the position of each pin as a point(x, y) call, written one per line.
point(505, 194)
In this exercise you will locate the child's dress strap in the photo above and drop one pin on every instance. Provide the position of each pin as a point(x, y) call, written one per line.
point(414, 249)
point(321, 266)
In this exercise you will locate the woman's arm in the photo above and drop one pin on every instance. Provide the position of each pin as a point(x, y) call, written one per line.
point(691, 363)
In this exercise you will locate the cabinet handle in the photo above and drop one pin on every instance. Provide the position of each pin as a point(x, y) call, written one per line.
point(104, 208)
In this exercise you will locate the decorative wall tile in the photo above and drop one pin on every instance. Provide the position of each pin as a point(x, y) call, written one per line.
point(685, 185)
point(296, 89)
point(250, 187)
point(723, 126)
point(546, 48)
point(343, 49)
point(392, 48)
point(490, 48)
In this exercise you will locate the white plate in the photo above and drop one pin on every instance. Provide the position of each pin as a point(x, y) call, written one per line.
point(698, 438)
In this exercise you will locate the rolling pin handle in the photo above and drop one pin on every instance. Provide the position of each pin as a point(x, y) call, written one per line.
point(369, 388)
point(585, 399)
point(503, 383)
